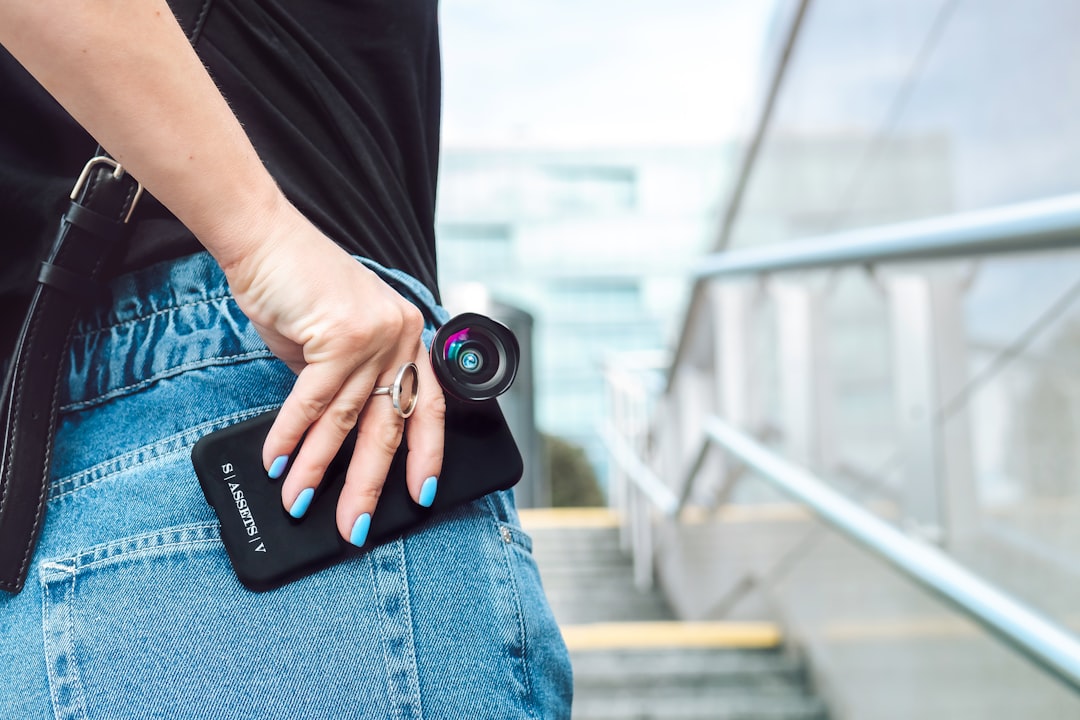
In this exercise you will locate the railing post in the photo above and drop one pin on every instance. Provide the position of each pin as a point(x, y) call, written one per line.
point(642, 541)
point(641, 510)
point(958, 491)
point(804, 378)
point(916, 397)
point(691, 393)
point(628, 435)
point(618, 486)
point(732, 308)
point(929, 368)
point(732, 305)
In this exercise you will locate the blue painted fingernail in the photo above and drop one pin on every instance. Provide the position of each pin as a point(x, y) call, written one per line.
point(360, 528)
point(277, 467)
point(302, 503)
point(427, 491)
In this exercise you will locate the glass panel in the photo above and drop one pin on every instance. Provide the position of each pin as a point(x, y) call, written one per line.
point(894, 111)
point(1024, 327)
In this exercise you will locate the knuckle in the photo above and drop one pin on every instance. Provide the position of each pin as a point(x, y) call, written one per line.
point(435, 405)
point(309, 470)
point(359, 335)
point(386, 437)
point(318, 469)
point(395, 325)
point(412, 321)
point(310, 408)
point(342, 418)
point(399, 320)
point(368, 493)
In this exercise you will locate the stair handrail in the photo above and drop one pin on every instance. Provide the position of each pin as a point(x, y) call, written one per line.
point(1049, 646)
point(1042, 225)
point(1047, 224)
point(648, 482)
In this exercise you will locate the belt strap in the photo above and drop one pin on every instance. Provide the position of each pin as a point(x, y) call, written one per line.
point(94, 225)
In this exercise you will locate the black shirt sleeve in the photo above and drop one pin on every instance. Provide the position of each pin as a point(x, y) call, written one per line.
point(341, 101)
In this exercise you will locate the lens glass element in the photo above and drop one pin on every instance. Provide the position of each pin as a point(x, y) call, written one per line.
point(474, 357)
point(471, 361)
point(468, 352)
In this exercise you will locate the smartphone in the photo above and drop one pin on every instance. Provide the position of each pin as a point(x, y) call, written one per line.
point(269, 548)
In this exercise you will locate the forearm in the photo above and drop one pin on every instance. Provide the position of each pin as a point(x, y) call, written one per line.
point(126, 73)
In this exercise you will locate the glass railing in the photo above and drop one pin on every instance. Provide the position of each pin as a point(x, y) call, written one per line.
point(858, 374)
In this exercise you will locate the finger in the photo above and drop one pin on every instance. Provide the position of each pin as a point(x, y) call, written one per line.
point(379, 434)
point(322, 443)
point(426, 431)
point(315, 388)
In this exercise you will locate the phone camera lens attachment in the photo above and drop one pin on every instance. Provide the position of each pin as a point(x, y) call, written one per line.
point(475, 358)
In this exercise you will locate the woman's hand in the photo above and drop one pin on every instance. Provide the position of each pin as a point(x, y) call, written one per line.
point(343, 331)
point(127, 73)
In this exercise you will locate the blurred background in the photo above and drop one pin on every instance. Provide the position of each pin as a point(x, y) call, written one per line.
point(797, 285)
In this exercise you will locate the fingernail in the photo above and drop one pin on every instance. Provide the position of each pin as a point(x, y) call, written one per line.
point(360, 530)
point(427, 491)
point(302, 503)
point(277, 467)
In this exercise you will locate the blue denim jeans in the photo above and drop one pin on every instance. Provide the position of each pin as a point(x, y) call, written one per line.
point(132, 609)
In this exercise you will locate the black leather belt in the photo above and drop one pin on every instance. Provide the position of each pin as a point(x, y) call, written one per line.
point(95, 224)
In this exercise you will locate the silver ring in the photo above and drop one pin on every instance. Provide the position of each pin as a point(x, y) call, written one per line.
point(396, 391)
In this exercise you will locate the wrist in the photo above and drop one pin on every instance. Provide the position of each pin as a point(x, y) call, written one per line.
point(237, 234)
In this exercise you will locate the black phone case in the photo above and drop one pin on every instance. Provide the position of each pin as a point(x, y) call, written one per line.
point(268, 548)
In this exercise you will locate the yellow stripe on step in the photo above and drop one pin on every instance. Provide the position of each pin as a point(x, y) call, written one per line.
point(602, 517)
point(568, 517)
point(640, 635)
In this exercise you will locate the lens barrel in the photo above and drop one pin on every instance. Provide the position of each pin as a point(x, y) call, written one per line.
point(475, 358)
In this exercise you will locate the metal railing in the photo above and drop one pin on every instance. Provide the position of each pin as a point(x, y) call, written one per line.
point(1049, 224)
point(1051, 648)
point(640, 493)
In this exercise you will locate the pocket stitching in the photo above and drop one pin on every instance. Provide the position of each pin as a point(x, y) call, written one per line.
point(149, 453)
point(168, 373)
point(54, 651)
point(128, 549)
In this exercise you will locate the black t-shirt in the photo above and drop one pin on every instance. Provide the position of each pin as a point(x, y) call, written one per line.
point(340, 99)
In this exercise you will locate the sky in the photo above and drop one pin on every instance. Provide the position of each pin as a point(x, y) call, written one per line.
point(598, 73)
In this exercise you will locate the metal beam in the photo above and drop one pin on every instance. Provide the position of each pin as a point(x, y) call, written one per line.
point(1049, 224)
point(642, 476)
point(1047, 645)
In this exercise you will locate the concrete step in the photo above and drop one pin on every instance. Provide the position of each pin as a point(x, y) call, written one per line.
point(687, 670)
point(587, 577)
point(607, 608)
point(574, 558)
point(745, 707)
point(632, 659)
point(573, 551)
point(664, 667)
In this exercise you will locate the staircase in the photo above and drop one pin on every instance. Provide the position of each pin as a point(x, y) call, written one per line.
point(633, 660)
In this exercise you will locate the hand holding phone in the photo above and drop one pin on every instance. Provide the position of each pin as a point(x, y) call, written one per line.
point(474, 358)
